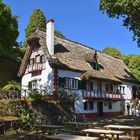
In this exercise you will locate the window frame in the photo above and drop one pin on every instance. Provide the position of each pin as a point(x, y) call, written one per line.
point(110, 105)
point(32, 60)
point(88, 105)
point(42, 58)
point(33, 85)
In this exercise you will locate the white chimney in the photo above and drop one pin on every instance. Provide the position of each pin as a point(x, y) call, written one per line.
point(50, 36)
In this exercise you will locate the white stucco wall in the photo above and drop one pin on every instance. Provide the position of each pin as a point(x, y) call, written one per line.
point(45, 79)
point(70, 74)
point(79, 104)
point(128, 90)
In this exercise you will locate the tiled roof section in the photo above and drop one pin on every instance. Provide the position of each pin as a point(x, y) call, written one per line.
point(72, 55)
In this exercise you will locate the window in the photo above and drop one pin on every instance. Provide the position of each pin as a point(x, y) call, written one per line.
point(37, 59)
point(33, 84)
point(95, 65)
point(88, 105)
point(122, 89)
point(32, 61)
point(68, 83)
point(99, 86)
point(85, 105)
point(108, 87)
point(42, 59)
point(74, 84)
point(109, 105)
point(89, 86)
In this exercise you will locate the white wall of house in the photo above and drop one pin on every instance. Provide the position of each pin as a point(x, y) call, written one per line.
point(79, 104)
point(128, 95)
point(44, 80)
point(70, 74)
point(128, 90)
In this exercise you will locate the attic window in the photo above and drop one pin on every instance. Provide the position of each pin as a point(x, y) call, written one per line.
point(95, 65)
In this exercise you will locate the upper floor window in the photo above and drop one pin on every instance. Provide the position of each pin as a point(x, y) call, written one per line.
point(108, 87)
point(37, 58)
point(31, 61)
point(74, 83)
point(99, 86)
point(89, 86)
point(122, 89)
point(69, 83)
point(42, 59)
point(95, 65)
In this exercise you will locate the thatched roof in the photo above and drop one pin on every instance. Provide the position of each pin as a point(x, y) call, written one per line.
point(77, 57)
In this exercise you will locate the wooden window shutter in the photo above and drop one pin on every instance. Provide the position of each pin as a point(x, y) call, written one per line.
point(62, 82)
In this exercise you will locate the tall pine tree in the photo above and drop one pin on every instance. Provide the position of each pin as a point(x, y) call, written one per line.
point(37, 20)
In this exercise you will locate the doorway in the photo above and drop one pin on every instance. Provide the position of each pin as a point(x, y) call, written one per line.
point(100, 108)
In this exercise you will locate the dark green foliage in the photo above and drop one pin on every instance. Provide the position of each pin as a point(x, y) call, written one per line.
point(128, 10)
point(37, 20)
point(133, 62)
point(59, 34)
point(8, 28)
point(112, 51)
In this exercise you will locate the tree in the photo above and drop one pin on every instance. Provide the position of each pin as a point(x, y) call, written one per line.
point(128, 10)
point(59, 34)
point(133, 62)
point(8, 28)
point(37, 20)
point(112, 51)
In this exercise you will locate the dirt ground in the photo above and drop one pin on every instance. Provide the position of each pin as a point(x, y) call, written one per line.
point(97, 122)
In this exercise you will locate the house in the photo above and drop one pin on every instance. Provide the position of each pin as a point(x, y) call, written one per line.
point(103, 83)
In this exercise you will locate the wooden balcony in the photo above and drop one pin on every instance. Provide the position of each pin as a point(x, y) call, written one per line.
point(36, 67)
point(101, 95)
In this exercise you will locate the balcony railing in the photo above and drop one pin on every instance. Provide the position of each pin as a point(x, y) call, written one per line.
point(97, 94)
point(36, 67)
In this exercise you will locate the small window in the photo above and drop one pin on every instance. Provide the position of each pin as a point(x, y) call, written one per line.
point(109, 105)
point(68, 83)
point(37, 59)
point(33, 84)
point(99, 86)
point(88, 105)
point(31, 61)
point(85, 105)
point(122, 89)
point(42, 59)
point(74, 84)
point(95, 65)
point(108, 87)
point(89, 85)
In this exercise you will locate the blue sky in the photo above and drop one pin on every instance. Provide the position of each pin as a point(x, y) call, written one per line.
point(78, 20)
